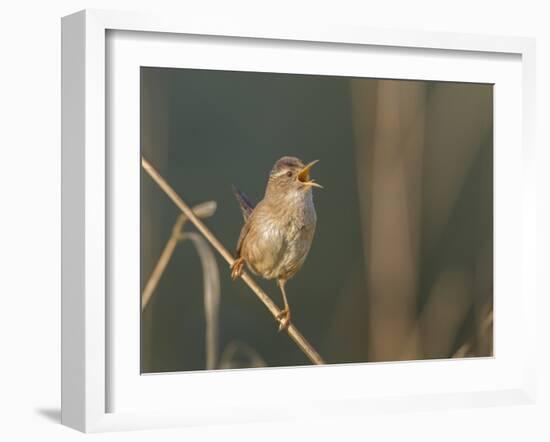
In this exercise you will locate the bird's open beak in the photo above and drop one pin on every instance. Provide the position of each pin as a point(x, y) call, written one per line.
point(304, 178)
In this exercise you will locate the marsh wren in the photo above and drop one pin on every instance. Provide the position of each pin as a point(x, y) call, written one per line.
point(277, 233)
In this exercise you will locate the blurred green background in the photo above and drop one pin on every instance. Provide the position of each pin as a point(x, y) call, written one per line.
point(401, 264)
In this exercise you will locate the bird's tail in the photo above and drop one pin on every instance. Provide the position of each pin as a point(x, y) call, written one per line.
point(244, 202)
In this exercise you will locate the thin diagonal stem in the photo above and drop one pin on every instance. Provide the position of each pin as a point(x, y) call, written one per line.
point(292, 331)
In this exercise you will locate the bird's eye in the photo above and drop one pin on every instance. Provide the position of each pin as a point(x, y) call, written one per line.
point(289, 174)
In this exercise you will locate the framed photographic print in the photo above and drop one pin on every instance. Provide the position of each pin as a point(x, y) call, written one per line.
point(264, 223)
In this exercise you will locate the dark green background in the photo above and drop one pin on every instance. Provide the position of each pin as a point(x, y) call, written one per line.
point(206, 130)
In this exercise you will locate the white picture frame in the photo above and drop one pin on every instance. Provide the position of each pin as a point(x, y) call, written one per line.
point(87, 322)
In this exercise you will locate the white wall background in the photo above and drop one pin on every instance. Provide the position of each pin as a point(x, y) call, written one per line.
point(30, 216)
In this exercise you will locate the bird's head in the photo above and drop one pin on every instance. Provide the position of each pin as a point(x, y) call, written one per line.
point(290, 174)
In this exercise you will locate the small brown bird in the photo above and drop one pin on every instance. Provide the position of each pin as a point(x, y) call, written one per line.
point(277, 233)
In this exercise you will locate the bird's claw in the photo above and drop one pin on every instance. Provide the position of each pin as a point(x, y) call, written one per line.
point(284, 319)
point(237, 268)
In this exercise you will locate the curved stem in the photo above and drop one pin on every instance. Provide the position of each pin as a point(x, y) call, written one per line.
point(202, 210)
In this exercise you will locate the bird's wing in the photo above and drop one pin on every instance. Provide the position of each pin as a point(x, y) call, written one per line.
point(244, 232)
point(244, 202)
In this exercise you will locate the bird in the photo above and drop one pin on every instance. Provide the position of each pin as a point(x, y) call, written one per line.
point(277, 233)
